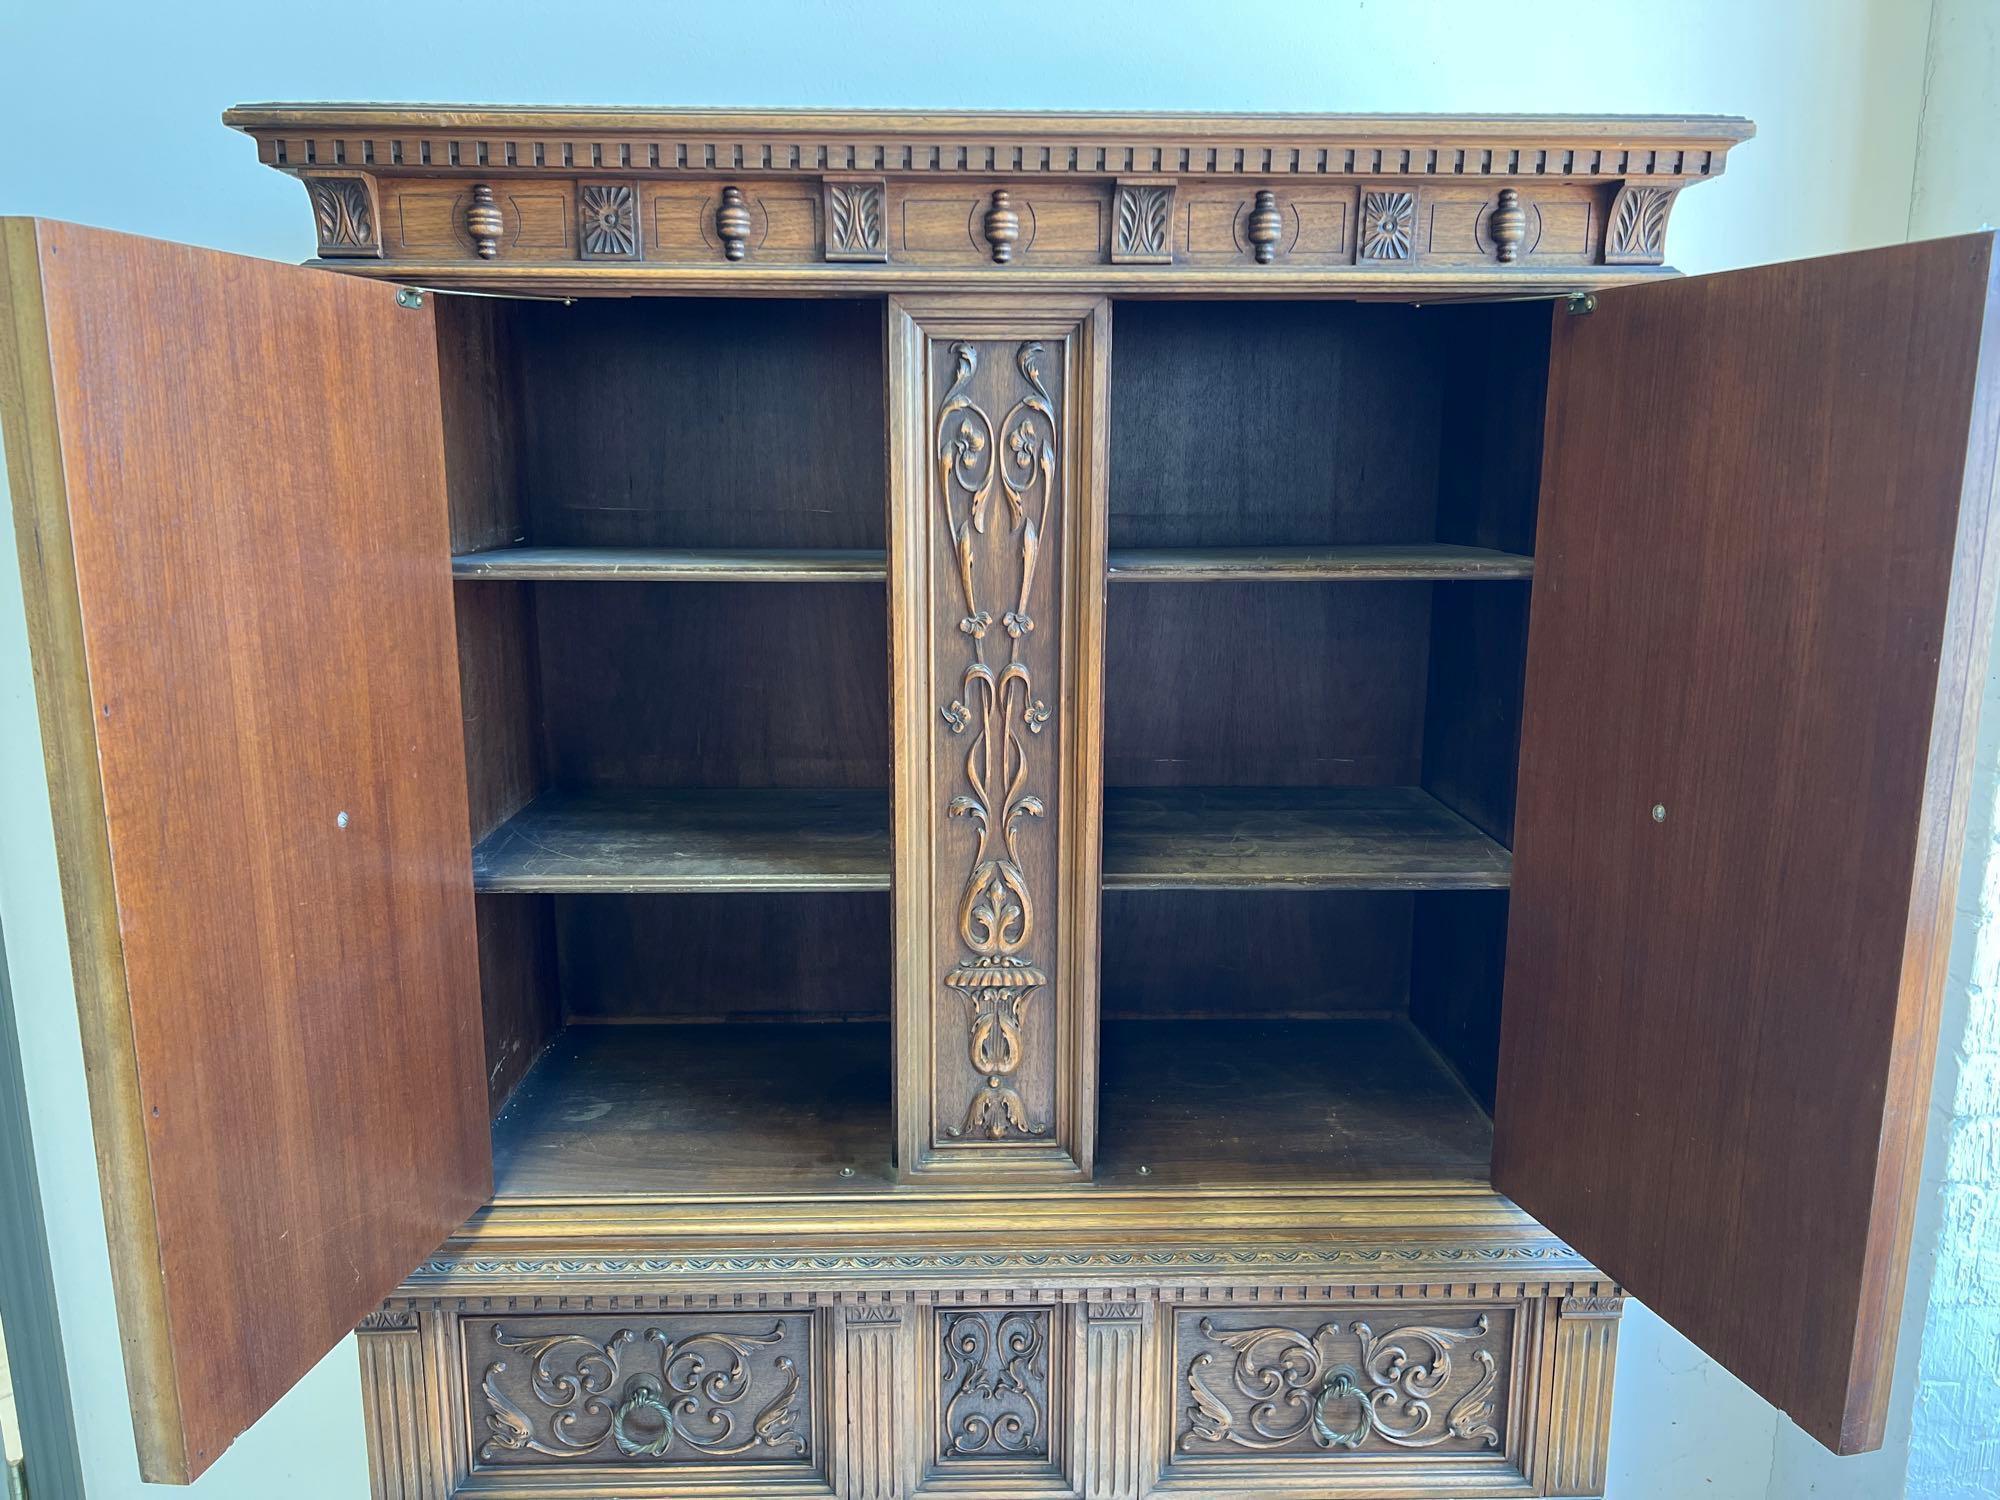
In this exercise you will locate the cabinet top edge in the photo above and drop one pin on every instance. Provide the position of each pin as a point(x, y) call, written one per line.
point(932, 127)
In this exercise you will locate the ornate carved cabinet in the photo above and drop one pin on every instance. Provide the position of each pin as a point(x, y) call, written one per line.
point(868, 805)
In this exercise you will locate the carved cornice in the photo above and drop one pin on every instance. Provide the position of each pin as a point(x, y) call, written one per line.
point(431, 138)
point(823, 200)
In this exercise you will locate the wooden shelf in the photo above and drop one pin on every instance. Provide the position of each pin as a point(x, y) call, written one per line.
point(764, 1108)
point(1434, 561)
point(679, 565)
point(759, 840)
point(1170, 838)
point(1270, 838)
point(1299, 1103)
point(687, 1108)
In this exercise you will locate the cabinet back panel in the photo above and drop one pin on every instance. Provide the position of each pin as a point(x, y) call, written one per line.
point(1255, 954)
point(715, 685)
point(1456, 960)
point(1472, 720)
point(1253, 684)
point(1273, 424)
point(519, 999)
point(660, 422)
point(730, 957)
point(500, 692)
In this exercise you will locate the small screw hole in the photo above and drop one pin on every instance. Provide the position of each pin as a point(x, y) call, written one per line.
point(340, 820)
point(1659, 812)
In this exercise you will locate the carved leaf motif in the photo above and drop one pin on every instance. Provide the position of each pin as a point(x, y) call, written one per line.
point(855, 215)
point(1140, 227)
point(340, 208)
point(1639, 224)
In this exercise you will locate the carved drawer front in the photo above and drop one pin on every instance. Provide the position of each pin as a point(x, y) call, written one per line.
point(648, 1390)
point(1348, 1397)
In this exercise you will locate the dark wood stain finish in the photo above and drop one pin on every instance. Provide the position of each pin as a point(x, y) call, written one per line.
point(1720, 1024)
point(248, 481)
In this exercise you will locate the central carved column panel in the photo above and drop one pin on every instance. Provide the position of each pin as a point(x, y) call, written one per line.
point(997, 617)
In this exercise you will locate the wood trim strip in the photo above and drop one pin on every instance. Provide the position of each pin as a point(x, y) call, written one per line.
point(749, 279)
point(50, 593)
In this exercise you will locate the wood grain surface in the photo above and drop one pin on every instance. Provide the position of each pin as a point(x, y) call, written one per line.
point(1364, 838)
point(1721, 1015)
point(229, 485)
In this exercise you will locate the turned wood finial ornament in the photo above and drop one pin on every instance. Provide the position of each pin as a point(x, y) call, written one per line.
point(1265, 225)
point(1508, 226)
point(483, 221)
point(1002, 226)
point(732, 223)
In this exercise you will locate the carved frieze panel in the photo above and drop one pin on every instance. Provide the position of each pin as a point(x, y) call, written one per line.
point(1331, 1381)
point(776, 223)
point(698, 1389)
point(999, 225)
point(345, 214)
point(994, 1384)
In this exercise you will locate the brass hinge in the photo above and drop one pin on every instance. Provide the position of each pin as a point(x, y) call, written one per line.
point(1582, 302)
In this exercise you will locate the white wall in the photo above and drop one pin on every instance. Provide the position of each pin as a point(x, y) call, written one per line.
point(108, 116)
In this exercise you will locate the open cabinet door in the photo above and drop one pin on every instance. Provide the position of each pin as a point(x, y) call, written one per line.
point(1762, 599)
point(228, 490)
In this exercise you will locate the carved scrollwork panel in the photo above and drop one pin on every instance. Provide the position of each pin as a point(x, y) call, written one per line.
point(993, 1384)
point(999, 464)
point(663, 1390)
point(1322, 1383)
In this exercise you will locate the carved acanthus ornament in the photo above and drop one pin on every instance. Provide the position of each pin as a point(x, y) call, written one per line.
point(1287, 1389)
point(857, 220)
point(1637, 233)
point(997, 484)
point(652, 1397)
point(344, 214)
point(1141, 224)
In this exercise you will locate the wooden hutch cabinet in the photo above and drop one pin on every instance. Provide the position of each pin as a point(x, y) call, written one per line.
point(869, 805)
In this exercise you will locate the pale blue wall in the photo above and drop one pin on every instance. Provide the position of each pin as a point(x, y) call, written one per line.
point(108, 115)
